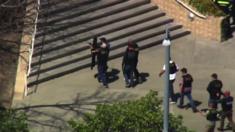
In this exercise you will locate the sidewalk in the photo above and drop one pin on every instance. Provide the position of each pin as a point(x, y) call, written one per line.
point(56, 101)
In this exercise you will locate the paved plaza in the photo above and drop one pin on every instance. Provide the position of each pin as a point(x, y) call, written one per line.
point(61, 99)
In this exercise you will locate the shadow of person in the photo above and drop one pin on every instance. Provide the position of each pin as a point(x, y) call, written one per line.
point(112, 75)
point(142, 78)
point(197, 103)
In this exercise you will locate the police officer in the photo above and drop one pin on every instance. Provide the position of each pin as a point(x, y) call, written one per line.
point(214, 90)
point(102, 59)
point(233, 10)
point(136, 71)
point(225, 5)
point(173, 70)
point(227, 111)
point(129, 63)
point(186, 89)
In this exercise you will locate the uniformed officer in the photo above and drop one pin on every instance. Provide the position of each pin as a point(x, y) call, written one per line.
point(227, 111)
point(102, 59)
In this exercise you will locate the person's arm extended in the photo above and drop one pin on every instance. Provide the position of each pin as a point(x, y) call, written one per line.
point(162, 72)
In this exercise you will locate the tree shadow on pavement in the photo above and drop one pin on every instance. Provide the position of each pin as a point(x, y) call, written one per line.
point(54, 117)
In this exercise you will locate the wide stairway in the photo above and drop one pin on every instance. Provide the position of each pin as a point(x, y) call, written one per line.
point(66, 26)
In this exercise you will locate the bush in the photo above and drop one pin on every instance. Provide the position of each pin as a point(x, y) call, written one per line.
point(206, 7)
point(12, 121)
point(143, 115)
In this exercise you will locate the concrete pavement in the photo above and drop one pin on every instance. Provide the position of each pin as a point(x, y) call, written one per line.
point(58, 100)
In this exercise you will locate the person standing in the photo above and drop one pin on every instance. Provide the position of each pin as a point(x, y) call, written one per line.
point(102, 61)
point(173, 70)
point(186, 89)
point(227, 111)
point(233, 11)
point(129, 63)
point(214, 90)
point(136, 71)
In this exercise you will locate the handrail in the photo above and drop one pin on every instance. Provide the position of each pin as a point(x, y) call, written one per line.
point(31, 49)
point(33, 39)
point(191, 10)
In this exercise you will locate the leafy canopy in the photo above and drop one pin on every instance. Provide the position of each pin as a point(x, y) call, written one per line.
point(142, 115)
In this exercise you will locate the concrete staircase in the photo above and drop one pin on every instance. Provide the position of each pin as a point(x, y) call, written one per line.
point(66, 26)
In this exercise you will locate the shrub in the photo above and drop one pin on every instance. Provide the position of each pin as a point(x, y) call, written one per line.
point(143, 115)
point(13, 121)
point(206, 7)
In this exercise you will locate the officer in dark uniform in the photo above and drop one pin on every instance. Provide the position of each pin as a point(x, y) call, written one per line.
point(227, 111)
point(136, 71)
point(186, 89)
point(214, 90)
point(233, 10)
point(129, 63)
point(102, 59)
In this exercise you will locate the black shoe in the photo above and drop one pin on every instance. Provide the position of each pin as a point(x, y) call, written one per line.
point(180, 106)
point(106, 86)
point(195, 110)
point(220, 129)
point(128, 85)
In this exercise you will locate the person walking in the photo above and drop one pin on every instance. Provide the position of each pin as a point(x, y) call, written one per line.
point(186, 89)
point(227, 111)
point(102, 61)
point(173, 70)
point(129, 63)
point(214, 90)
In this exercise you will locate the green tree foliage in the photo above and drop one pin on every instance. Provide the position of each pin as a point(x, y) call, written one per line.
point(13, 121)
point(142, 115)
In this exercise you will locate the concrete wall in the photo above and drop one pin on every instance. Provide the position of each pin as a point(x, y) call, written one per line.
point(208, 28)
point(26, 41)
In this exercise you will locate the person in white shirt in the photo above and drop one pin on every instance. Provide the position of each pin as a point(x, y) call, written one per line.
point(173, 70)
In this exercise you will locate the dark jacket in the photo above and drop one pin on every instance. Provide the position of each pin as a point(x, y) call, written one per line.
point(130, 58)
point(214, 89)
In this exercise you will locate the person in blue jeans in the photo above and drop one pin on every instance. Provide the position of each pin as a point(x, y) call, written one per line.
point(129, 63)
point(102, 61)
point(186, 89)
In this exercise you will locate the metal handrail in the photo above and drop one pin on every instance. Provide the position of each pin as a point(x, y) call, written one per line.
point(190, 9)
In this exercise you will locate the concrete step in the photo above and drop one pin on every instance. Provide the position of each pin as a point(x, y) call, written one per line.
point(53, 8)
point(64, 34)
point(146, 43)
point(115, 44)
point(71, 21)
point(77, 49)
point(78, 38)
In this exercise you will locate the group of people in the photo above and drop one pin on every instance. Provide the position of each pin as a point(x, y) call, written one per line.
point(216, 96)
point(100, 52)
point(100, 55)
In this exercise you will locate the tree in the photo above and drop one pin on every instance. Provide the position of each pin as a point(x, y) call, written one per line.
point(13, 121)
point(142, 115)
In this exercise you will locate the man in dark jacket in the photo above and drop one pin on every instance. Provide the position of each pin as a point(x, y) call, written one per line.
point(186, 89)
point(102, 59)
point(129, 63)
point(214, 90)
